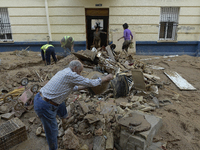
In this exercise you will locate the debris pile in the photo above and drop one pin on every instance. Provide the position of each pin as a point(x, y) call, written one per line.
point(114, 115)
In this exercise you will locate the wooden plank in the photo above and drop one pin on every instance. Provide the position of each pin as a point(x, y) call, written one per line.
point(180, 82)
point(151, 76)
point(97, 12)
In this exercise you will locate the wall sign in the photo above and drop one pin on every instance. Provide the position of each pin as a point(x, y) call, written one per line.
point(98, 4)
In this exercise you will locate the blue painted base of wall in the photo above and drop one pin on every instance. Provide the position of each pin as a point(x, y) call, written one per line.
point(35, 46)
point(191, 48)
point(168, 48)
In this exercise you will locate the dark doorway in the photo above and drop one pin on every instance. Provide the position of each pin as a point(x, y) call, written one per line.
point(93, 16)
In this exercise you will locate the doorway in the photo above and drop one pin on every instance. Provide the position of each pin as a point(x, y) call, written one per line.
point(93, 17)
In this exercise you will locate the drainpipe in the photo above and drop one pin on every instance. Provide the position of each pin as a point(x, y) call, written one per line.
point(48, 23)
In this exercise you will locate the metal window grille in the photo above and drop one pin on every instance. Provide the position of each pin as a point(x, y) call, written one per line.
point(168, 23)
point(5, 28)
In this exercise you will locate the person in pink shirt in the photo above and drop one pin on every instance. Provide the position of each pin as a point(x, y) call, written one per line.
point(128, 37)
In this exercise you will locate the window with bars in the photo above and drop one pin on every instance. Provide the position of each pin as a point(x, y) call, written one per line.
point(168, 23)
point(5, 28)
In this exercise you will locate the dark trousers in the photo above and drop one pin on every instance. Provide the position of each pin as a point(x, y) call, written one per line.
point(50, 52)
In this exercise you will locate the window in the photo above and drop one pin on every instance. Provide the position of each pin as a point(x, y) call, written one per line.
point(168, 23)
point(5, 28)
point(97, 22)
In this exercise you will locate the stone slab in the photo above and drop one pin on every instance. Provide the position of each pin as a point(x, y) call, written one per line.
point(141, 140)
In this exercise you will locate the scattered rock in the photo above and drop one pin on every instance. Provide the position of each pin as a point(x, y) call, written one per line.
point(38, 131)
point(32, 119)
point(70, 140)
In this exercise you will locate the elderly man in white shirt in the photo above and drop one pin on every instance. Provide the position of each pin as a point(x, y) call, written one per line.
point(49, 102)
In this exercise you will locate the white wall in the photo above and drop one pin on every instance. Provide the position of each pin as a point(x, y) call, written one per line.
point(67, 17)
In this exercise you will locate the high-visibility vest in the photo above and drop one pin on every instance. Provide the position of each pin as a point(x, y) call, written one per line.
point(44, 47)
point(64, 43)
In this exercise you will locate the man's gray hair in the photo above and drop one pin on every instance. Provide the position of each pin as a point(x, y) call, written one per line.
point(75, 63)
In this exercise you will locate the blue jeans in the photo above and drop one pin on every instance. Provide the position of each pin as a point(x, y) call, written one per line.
point(47, 114)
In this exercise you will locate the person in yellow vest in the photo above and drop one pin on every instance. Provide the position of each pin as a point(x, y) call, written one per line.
point(67, 42)
point(47, 51)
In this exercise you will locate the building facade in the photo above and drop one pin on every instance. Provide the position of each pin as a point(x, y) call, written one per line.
point(162, 27)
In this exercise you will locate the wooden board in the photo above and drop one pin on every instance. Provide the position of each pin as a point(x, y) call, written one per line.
point(97, 12)
point(138, 79)
point(180, 82)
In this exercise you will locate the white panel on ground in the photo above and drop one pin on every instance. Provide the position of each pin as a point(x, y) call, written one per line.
point(181, 83)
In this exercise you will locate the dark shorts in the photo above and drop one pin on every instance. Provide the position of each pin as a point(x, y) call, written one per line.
point(126, 44)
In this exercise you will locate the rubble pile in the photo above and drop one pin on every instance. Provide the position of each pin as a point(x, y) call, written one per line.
point(111, 116)
point(99, 114)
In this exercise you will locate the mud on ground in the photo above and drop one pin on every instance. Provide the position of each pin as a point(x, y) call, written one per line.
point(181, 119)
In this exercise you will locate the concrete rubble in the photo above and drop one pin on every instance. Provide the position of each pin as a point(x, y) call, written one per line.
point(115, 118)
